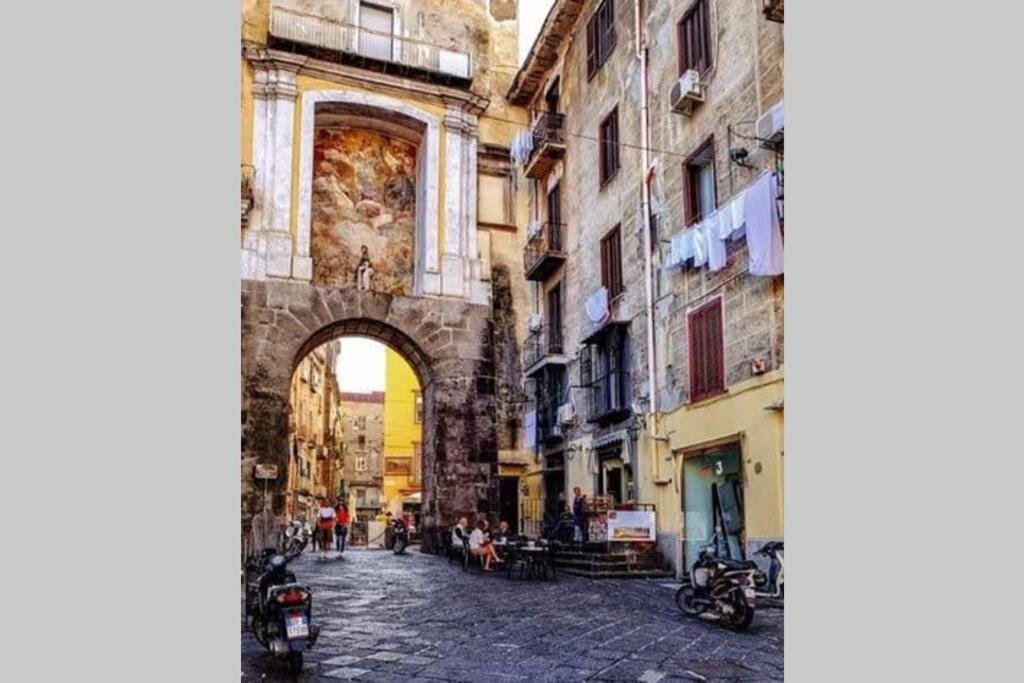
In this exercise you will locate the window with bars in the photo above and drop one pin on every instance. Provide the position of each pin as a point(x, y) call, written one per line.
point(694, 39)
point(608, 135)
point(554, 322)
point(611, 262)
point(603, 371)
point(600, 37)
point(699, 184)
point(707, 351)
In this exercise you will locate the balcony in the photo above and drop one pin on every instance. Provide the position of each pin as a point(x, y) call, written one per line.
point(336, 41)
point(543, 347)
point(548, 398)
point(548, 144)
point(544, 253)
point(603, 372)
point(609, 398)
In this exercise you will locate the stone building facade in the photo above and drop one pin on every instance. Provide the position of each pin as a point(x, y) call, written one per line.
point(314, 465)
point(384, 126)
point(362, 444)
point(607, 420)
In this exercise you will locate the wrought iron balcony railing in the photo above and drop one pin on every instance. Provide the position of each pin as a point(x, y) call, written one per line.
point(545, 341)
point(609, 397)
point(544, 251)
point(548, 144)
point(367, 48)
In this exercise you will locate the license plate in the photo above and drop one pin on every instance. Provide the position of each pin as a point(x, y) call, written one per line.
point(296, 627)
point(749, 592)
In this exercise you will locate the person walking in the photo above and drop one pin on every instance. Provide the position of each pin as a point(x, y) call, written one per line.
point(314, 536)
point(340, 526)
point(326, 518)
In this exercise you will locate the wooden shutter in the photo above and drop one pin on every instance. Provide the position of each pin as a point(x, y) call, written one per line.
point(611, 262)
point(607, 29)
point(592, 46)
point(613, 143)
point(555, 319)
point(694, 39)
point(707, 351)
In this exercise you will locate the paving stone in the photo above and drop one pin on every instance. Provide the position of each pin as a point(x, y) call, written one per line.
point(421, 619)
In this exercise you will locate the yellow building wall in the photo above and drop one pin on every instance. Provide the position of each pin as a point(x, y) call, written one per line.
point(401, 431)
point(738, 415)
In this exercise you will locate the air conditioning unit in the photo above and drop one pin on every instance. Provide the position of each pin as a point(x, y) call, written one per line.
point(535, 322)
point(770, 127)
point(687, 92)
point(566, 413)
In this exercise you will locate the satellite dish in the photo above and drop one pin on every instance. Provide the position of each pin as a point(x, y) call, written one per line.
point(597, 306)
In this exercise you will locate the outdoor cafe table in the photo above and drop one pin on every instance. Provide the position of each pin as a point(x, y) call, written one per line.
point(534, 559)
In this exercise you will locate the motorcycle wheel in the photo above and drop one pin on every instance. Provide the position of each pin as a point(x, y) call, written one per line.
point(399, 547)
point(294, 662)
point(685, 602)
point(743, 612)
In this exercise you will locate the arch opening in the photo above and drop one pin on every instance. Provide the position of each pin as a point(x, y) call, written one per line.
point(357, 409)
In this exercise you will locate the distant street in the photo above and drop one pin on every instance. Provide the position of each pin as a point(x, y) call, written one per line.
point(416, 618)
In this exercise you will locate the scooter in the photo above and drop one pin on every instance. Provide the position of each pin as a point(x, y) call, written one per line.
point(720, 590)
point(279, 608)
point(401, 536)
point(294, 537)
point(772, 586)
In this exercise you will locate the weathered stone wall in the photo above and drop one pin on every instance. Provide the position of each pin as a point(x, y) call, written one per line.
point(745, 79)
point(445, 341)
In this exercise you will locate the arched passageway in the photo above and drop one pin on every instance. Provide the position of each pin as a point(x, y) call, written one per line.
point(446, 342)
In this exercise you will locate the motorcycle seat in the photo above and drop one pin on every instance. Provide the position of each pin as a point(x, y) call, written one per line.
point(738, 564)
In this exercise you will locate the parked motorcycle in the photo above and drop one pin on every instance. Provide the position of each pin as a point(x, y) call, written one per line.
point(771, 586)
point(401, 535)
point(279, 608)
point(295, 537)
point(720, 590)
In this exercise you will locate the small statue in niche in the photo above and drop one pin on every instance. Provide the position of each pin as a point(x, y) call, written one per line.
point(364, 271)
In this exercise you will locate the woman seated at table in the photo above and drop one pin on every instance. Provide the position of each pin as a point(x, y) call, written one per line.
point(481, 546)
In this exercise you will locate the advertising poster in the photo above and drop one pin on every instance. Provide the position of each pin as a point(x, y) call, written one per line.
point(631, 525)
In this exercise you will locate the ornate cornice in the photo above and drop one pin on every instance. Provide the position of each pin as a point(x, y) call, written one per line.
point(267, 59)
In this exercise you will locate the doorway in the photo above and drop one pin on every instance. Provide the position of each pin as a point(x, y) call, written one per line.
point(614, 476)
point(554, 487)
point(508, 501)
point(713, 503)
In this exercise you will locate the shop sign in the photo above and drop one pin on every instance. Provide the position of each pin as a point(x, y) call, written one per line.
point(631, 525)
point(266, 471)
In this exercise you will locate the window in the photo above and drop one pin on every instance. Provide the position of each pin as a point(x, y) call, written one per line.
point(707, 351)
point(418, 407)
point(362, 440)
point(361, 464)
point(600, 36)
point(554, 310)
point(611, 262)
point(398, 466)
point(361, 422)
point(375, 29)
point(694, 42)
point(701, 195)
point(604, 371)
point(609, 146)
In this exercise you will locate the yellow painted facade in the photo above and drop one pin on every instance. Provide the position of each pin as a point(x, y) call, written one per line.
point(750, 414)
point(402, 430)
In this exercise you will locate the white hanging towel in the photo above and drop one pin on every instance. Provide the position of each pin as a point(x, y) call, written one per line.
point(716, 247)
point(764, 239)
point(738, 219)
point(700, 245)
point(681, 248)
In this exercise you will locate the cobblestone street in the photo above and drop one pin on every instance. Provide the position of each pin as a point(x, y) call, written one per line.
point(416, 618)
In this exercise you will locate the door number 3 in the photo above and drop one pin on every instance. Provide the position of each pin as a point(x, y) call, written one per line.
point(718, 467)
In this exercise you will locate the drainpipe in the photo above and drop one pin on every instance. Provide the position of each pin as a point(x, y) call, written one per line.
point(645, 156)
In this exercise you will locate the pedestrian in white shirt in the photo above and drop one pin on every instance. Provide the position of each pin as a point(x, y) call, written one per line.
point(325, 519)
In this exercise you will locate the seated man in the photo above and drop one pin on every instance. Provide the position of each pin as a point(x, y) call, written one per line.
point(459, 536)
point(481, 546)
point(503, 534)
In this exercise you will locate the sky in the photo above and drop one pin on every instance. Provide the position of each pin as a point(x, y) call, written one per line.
point(361, 366)
point(531, 17)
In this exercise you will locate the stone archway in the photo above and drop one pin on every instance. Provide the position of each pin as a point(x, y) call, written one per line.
point(446, 341)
